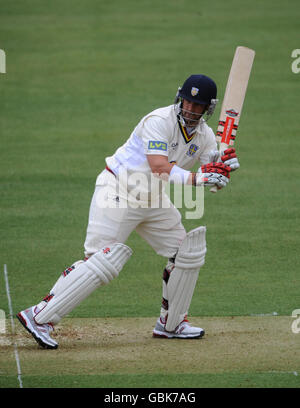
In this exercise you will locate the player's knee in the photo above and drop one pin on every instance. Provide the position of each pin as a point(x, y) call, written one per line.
point(108, 262)
point(102, 268)
point(91, 250)
point(192, 251)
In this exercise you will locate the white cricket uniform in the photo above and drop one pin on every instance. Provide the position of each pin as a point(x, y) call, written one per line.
point(158, 133)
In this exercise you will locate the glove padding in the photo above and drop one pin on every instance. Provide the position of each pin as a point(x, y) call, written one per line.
point(213, 174)
point(227, 157)
point(216, 167)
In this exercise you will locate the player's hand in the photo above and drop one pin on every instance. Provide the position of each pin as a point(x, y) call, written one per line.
point(218, 168)
point(213, 174)
point(229, 158)
point(214, 156)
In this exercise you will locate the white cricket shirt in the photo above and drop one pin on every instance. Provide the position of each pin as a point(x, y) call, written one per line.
point(161, 133)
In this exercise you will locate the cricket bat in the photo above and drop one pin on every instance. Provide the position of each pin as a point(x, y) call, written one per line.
point(233, 99)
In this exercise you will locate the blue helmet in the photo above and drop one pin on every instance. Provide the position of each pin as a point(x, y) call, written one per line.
point(199, 89)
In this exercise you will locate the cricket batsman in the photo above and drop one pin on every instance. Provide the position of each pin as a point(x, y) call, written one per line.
point(166, 143)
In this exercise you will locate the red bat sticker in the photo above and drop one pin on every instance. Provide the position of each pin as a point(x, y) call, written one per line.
point(232, 113)
point(228, 133)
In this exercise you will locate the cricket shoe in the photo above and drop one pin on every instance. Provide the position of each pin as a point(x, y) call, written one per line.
point(40, 332)
point(183, 331)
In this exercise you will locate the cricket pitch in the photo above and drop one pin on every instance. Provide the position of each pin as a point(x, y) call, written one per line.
point(126, 346)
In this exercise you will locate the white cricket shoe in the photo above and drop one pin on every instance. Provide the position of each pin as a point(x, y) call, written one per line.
point(183, 331)
point(40, 332)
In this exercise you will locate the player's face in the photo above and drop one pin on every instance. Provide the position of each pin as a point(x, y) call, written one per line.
point(191, 112)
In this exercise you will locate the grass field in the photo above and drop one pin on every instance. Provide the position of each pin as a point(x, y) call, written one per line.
point(79, 77)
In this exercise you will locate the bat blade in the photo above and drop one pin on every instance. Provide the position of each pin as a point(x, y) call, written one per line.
point(234, 98)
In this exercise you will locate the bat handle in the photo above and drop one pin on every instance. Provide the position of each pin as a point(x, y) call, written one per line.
point(214, 188)
point(221, 148)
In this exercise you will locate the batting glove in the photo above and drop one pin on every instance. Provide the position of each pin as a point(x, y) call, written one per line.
point(229, 158)
point(213, 174)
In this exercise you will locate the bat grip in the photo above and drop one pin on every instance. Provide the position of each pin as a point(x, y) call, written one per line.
point(214, 188)
point(221, 148)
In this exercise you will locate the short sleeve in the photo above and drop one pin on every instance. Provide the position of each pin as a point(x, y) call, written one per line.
point(155, 136)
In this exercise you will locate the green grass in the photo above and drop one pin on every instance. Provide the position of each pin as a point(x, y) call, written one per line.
point(109, 382)
point(79, 77)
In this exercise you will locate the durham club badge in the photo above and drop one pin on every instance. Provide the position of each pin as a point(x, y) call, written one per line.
point(194, 91)
point(192, 150)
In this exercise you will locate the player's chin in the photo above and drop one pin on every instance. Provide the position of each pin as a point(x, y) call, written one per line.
point(191, 123)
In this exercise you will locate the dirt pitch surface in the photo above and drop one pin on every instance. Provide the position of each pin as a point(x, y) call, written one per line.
point(125, 345)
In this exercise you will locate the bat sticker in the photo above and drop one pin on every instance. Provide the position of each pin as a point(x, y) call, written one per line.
point(231, 112)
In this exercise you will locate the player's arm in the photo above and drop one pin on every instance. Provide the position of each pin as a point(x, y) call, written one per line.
point(207, 175)
point(161, 167)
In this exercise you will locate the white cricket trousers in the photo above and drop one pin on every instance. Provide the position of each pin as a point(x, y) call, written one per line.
point(160, 227)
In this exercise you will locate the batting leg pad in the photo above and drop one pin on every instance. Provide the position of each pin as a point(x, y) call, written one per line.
point(183, 278)
point(100, 269)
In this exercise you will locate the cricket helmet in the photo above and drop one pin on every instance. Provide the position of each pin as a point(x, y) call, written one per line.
point(199, 89)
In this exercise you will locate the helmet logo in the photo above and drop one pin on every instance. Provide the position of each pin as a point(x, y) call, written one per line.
point(194, 91)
